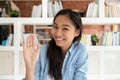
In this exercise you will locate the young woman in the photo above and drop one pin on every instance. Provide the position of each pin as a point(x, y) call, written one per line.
point(65, 57)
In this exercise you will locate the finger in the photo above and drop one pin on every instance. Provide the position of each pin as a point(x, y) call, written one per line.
point(23, 44)
point(28, 41)
point(32, 40)
point(24, 40)
point(38, 48)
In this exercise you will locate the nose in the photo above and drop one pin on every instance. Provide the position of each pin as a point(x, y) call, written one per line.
point(58, 32)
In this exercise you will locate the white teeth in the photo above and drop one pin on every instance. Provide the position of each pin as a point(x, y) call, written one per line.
point(59, 39)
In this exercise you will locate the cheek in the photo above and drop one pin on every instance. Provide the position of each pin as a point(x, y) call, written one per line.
point(73, 36)
point(70, 36)
point(52, 32)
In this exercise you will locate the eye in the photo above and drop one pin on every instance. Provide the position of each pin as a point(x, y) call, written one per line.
point(55, 27)
point(65, 29)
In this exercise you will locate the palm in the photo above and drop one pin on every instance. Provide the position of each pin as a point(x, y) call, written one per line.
point(30, 52)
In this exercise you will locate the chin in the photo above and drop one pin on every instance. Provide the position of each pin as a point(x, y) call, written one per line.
point(58, 44)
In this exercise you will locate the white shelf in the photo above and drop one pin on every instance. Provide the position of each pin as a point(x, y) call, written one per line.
point(100, 21)
point(91, 48)
point(113, 76)
point(11, 77)
point(29, 21)
point(6, 77)
point(48, 21)
point(7, 48)
point(96, 53)
point(103, 48)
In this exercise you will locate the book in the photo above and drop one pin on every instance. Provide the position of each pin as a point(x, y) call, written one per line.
point(104, 38)
point(37, 11)
point(112, 8)
point(50, 9)
point(9, 41)
point(4, 32)
point(86, 39)
point(54, 7)
point(109, 39)
point(92, 10)
point(115, 28)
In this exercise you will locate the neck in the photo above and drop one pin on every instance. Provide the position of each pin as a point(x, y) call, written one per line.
point(65, 49)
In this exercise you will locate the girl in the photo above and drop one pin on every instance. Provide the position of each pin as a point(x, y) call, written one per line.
point(64, 57)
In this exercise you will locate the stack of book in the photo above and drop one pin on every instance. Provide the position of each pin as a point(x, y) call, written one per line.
point(112, 8)
point(54, 7)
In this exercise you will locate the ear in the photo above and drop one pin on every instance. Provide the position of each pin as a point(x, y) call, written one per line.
point(77, 32)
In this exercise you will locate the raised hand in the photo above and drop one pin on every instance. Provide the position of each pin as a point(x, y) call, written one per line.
point(30, 51)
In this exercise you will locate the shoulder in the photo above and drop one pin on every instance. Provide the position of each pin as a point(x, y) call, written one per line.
point(80, 47)
point(81, 50)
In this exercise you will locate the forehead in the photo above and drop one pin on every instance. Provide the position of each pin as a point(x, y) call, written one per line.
point(63, 19)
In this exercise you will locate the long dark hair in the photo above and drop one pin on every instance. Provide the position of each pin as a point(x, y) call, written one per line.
point(54, 52)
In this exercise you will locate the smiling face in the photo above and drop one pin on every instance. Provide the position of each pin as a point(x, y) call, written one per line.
point(63, 32)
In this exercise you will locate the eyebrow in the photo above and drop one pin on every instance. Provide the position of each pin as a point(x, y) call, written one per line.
point(62, 25)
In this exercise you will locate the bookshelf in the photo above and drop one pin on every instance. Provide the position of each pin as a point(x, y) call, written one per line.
point(43, 33)
point(107, 59)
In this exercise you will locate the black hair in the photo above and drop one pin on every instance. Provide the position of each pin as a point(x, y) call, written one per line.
point(54, 52)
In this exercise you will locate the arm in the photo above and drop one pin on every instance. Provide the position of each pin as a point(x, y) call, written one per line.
point(81, 66)
point(31, 54)
point(29, 73)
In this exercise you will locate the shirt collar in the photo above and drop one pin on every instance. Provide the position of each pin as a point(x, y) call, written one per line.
point(71, 49)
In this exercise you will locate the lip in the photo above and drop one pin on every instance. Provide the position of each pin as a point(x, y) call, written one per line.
point(59, 40)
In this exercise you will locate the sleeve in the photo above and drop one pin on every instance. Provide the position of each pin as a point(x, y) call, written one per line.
point(81, 65)
point(37, 69)
point(40, 64)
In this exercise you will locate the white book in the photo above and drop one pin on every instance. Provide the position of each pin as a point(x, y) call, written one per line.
point(39, 11)
point(9, 40)
point(50, 9)
point(95, 10)
point(104, 38)
point(113, 11)
point(88, 39)
point(114, 38)
point(117, 39)
point(109, 12)
point(88, 10)
point(83, 38)
point(91, 9)
point(113, 2)
point(60, 5)
point(106, 11)
point(34, 11)
point(118, 11)
point(109, 39)
point(56, 7)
